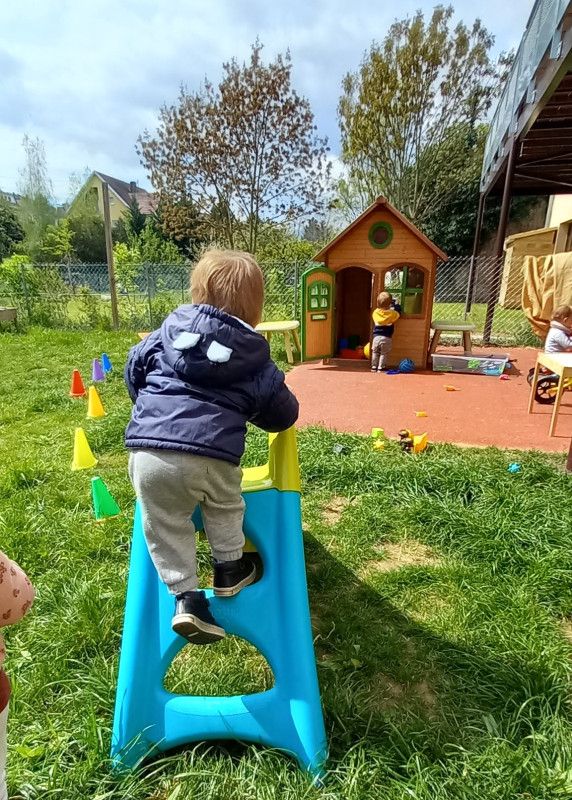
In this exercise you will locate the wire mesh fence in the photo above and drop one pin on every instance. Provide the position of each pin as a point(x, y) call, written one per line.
point(78, 296)
point(74, 295)
point(466, 289)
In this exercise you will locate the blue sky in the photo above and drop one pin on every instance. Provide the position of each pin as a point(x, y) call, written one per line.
point(89, 77)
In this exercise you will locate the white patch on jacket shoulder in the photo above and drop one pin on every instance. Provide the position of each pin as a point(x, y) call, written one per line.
point(218, 353)
point(185, 340)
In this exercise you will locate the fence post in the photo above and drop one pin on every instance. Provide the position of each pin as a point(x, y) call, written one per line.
point(499, 244)
point(476, 242)
point(149, 296)
point(296, 272)
point(25, 292)
point(109, 251)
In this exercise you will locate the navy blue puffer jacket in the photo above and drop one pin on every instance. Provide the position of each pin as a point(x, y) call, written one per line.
point(196, 382)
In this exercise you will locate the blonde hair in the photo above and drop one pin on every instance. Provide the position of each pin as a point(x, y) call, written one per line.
point(561, 313)
point(232, 281)
point(384, 300)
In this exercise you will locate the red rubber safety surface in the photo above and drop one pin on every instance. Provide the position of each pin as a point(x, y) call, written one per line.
point(485, 411)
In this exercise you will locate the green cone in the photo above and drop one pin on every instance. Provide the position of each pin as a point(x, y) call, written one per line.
point(104, 506)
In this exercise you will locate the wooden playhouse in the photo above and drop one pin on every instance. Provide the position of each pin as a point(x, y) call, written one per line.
point(380, 250)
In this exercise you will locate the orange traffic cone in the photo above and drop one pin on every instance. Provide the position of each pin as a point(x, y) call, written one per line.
point(94, 405)
point(83, 458)
point(77, 389)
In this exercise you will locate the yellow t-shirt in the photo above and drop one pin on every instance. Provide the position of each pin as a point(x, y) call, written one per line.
point(385, 316)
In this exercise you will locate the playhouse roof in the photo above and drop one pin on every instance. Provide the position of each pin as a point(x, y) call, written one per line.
point(378, 205)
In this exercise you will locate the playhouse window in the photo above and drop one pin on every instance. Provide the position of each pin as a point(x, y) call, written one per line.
point(380, 234)
point(319, 296)
point(406, 284)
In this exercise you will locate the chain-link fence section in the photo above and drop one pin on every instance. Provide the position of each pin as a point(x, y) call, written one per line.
point(78, 295)
point(465, 288)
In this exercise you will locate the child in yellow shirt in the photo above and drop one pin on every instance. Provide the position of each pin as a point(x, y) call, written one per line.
point(384, 318)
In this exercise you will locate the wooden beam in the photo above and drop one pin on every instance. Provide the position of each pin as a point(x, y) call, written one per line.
point(499, 244)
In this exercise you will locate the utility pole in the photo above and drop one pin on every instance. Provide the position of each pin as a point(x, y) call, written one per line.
point(109, 251)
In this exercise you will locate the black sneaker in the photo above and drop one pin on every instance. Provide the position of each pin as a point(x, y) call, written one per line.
point(232, 576)
point(193, 620)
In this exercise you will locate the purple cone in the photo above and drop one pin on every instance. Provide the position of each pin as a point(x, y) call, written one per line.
point(97, 373)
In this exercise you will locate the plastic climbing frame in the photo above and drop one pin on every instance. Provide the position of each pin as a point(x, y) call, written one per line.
point(272, 614)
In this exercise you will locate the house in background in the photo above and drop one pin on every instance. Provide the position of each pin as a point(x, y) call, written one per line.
point(121, 195)
point(11, 197)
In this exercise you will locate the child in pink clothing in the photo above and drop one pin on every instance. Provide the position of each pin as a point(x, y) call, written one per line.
point(16, 597)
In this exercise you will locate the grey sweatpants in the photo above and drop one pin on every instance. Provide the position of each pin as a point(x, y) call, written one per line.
point(380, 348)
point(169, 486)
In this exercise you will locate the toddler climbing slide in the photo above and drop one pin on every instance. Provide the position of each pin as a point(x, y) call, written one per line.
point(272, 614)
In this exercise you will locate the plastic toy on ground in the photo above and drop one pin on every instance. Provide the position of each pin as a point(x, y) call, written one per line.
point(449, 388)
point(77, 388)
point(406, 365)
point(104, 505)
point(97, 373)
point(95, 408)
point(514, 468)
point(272, 614)
point(378, 444)
point(83, 458)
point(412, 442)
point(377, 433)
point(420, 413)
point(106, 363)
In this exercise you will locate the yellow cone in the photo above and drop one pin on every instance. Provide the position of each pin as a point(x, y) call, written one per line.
point(83, 458)
point(94, 405)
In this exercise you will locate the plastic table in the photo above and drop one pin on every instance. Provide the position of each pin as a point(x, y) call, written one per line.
point(289, 328)
point(466, 328)
point(560, 364)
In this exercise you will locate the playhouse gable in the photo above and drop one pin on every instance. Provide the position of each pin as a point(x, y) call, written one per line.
point(381, 234)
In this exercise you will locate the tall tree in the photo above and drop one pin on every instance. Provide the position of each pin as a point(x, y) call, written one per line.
point(246, 150)
point(398, 111)
point(57, 243)
point(36, 210)
point(11, 232)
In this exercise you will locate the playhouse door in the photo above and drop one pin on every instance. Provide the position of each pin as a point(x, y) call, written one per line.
point(318, 288)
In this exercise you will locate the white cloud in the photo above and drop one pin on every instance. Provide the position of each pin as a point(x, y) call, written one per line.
point(89, 77)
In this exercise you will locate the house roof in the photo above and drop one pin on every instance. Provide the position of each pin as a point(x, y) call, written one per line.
point(378, 205)
point(122, 189)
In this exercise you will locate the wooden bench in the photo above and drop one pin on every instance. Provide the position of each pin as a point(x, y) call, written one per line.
point(289, 329)
point(466, 328)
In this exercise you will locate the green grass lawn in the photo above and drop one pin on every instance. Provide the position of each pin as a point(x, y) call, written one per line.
point(440, 586)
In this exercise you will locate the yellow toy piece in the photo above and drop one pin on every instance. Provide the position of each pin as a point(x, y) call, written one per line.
point(420, 442)
point(282, 471)
point(378, 445)
point(420, 413)
point(366, 350)
point(377, 433)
